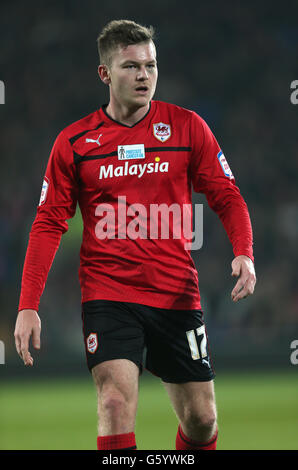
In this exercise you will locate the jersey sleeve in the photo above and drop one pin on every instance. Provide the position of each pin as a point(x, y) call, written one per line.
point(57, 203)
point(212, 176)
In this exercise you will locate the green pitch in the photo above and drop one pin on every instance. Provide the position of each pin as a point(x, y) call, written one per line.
point(254, 412)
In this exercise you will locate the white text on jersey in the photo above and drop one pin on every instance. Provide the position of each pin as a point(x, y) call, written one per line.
point(137, 169)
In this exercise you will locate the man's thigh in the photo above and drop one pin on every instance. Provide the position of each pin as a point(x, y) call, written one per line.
point(117, 390)
point(118, 377)
point(192, 398)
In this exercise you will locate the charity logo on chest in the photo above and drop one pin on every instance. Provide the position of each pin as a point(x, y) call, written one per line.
point(161, 131)
point(131, 152)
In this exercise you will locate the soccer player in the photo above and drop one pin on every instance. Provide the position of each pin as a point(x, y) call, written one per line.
point(139, 287)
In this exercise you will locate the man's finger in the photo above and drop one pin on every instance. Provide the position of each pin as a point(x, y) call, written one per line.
point(236, 271)
point(27, 358)
point(28, 361)
point(244, 291)
point(36, 338)
point(238, 287)
point(236, 268)
point(25, 347)
point(17, 343)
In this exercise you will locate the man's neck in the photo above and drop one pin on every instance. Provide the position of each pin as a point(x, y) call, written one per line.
point(126, 116)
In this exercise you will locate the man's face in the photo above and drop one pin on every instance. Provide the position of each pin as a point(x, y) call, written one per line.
point(133, 75)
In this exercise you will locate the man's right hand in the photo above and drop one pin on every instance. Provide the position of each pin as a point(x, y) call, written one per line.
point(28, 323)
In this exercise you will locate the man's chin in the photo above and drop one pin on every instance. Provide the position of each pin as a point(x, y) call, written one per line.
point(140, 102)
point(143, 100)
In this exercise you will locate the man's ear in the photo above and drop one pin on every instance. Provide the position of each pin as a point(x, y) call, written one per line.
point(104, 74)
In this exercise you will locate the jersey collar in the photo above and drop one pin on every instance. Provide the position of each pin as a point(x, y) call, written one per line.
point(104, 110)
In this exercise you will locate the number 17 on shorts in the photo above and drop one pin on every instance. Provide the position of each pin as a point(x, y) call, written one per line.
point(197, 341)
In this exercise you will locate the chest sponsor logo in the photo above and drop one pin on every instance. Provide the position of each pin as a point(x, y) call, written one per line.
point(162, 131)
point(112, 171)
point(131, 152)
point(224, 164)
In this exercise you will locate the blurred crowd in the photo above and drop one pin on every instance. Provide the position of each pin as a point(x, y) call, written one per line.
point(233, 65)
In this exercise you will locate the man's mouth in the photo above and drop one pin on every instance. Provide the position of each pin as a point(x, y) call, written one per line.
point(142, 88)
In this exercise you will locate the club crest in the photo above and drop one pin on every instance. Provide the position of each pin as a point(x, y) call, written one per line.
point(162, 131)
point(92, 343)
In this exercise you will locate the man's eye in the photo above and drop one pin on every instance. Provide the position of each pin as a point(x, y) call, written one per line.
point(129, 66)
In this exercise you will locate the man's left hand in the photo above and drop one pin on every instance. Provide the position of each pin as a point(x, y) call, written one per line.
point(243, 266)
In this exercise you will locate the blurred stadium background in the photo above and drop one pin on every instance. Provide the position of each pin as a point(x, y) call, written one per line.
point(233, 63)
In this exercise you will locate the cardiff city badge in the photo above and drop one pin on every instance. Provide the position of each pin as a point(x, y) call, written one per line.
point(92, 343)
point(162, 131)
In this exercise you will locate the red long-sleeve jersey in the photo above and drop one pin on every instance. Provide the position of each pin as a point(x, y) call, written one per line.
point(118, 175)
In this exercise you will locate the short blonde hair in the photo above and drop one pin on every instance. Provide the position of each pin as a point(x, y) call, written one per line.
point(121, 33)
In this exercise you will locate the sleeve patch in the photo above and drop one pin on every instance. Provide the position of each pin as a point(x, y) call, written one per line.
point(224, 165)
point(44, 191)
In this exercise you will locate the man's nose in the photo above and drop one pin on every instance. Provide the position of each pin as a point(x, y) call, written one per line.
point(142, 73)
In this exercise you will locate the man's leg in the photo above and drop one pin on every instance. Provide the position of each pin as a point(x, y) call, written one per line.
point(194, 405)
point(117, 390)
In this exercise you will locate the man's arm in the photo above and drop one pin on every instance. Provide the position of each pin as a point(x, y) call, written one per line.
point(212, 176)
point(57, 204)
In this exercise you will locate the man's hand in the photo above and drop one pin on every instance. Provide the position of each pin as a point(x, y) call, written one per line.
point(28, 323)
point(243, 266)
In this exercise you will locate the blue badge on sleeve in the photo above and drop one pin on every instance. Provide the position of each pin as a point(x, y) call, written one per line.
point(224, 164)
